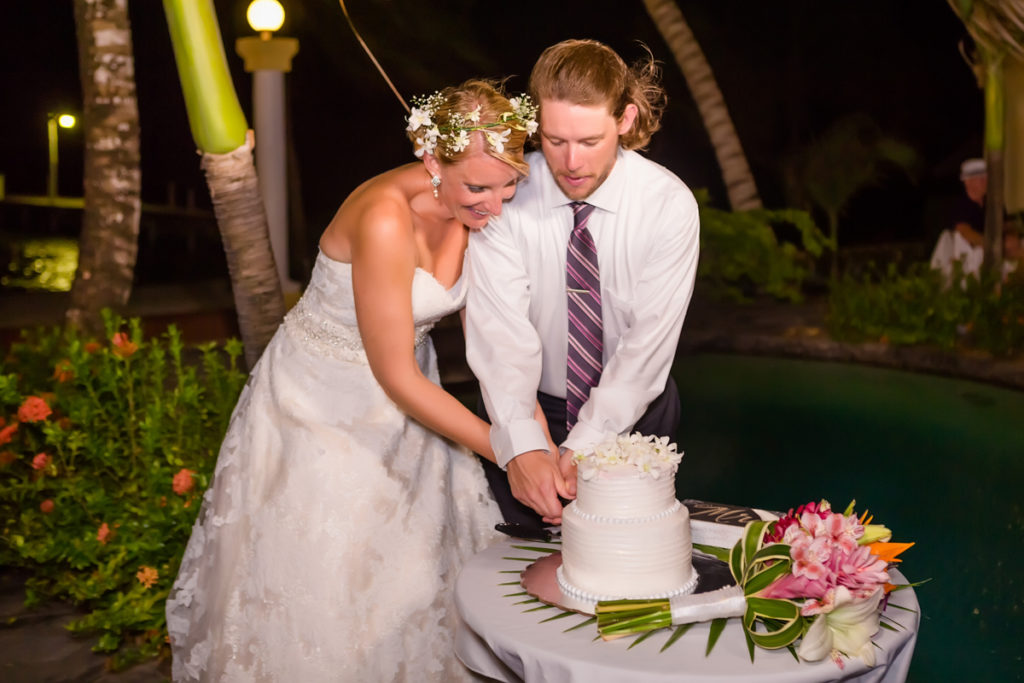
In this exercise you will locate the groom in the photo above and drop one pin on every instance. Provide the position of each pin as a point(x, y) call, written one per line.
point(577, 292)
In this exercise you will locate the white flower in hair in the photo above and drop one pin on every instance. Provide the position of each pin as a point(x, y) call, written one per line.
point(497, 140)
point(418, 117)
point(474, 115)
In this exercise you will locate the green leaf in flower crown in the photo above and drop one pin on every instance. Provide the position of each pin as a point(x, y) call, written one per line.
point(717, 626)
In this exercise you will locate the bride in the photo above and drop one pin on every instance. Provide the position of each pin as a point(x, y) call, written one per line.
point(340, 512)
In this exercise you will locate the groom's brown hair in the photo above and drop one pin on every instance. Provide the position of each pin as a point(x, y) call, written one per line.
point(590, 73)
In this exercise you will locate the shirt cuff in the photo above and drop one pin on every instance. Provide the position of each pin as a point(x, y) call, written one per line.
point(516, 438)
point(583, 438)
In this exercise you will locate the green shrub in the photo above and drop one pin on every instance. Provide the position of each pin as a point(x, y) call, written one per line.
point(105, 450)
point(740, 254)
point(919, 307)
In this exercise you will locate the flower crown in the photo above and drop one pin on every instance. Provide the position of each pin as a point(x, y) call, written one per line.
point(455, 136)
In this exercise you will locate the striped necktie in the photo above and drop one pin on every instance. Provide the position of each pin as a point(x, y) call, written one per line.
point(583, 288)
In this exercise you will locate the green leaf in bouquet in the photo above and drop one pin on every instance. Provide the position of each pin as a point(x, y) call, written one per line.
point(780, 617)
point(760, 580)
point(715, 630)
point(713, 550)
point(677, 633)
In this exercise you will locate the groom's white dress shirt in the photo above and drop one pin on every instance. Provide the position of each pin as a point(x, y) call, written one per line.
point(646, 229)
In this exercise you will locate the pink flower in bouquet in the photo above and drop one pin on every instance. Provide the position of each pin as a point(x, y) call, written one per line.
point(7, 433)
point(792, 518)
point(103, 533)
point(182, 482)
point(123, 345)
point(810, 557)
point(860, 571)
point(147, 576)
point(33, 409)
point(47, 506)
point(41, 461)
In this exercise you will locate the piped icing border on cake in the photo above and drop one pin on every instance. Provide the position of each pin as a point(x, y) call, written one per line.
point(590, 517)
point(578, 594)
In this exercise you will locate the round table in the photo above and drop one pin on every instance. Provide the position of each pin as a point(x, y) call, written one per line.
point(505, 636)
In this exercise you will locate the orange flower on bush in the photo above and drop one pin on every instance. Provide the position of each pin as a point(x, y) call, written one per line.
point(183, 482)
point(34, 409)
point(6, 458)
point(92, 347)
point(147, 576)
point(103, 533)
point(41, 461)
point(123, 346)
point(63, 370)
point(47, 506)
point(7, 433)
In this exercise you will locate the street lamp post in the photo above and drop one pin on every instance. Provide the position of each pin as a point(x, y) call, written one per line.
point(268, 58)
point(53, 121)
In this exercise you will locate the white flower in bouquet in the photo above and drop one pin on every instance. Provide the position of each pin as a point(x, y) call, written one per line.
point(845, 629)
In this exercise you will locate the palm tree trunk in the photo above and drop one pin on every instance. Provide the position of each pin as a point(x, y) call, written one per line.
point(219, 130)
point(259, 303)
point(739, 181)
point(992, 245)
point(110, 223)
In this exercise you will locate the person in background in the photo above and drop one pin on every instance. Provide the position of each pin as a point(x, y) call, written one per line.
point(964, 242)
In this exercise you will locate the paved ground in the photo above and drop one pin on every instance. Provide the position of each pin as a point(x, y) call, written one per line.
point(34, 647)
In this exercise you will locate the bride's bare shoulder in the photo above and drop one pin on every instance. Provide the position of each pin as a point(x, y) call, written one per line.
point(378, 209)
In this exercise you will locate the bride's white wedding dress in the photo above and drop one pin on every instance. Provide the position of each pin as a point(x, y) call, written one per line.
point(329, 542)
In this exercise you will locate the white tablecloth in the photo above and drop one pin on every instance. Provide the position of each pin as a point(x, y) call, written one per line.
point(503, 640)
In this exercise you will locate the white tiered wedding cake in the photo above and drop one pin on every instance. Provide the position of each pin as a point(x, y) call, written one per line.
point(626, 535)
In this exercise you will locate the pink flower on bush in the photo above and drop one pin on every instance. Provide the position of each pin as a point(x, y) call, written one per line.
point(182, 482)
point(123, 345)
point(41, 461)
point(103, 533)
point(7, 433)
point(34, 409)
point(147, 576)
point(47, 506)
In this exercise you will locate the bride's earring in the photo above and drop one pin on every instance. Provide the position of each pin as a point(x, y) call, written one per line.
point(436, 182)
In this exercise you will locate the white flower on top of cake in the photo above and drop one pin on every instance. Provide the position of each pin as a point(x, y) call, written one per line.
point(649, 455)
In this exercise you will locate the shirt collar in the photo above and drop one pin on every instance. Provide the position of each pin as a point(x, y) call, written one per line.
point(607, 197)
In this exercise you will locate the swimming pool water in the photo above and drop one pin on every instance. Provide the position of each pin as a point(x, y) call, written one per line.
point(939, 461)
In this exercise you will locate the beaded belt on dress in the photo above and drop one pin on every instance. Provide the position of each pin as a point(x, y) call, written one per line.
point(330, 338)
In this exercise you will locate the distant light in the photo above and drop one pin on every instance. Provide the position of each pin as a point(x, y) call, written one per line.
point(265, 15)
point(66, 121)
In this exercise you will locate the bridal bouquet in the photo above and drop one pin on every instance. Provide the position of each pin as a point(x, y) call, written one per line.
point(813, 576)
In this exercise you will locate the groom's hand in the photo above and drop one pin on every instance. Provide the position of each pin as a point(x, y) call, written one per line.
point(536, 481)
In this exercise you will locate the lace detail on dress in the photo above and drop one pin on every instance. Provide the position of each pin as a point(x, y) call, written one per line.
point(332, 339)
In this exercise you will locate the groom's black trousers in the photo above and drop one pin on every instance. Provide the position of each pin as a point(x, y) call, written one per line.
point(660, 419)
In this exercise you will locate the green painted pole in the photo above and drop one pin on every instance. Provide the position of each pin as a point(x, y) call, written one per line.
point(214, 114)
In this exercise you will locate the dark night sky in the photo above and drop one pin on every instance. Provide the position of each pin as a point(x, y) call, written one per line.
point(787, 70)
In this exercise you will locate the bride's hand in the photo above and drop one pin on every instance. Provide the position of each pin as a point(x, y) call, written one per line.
point(536, 481)
point(568, 470)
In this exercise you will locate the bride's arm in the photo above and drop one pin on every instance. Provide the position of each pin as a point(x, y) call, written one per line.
point(383, 267)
